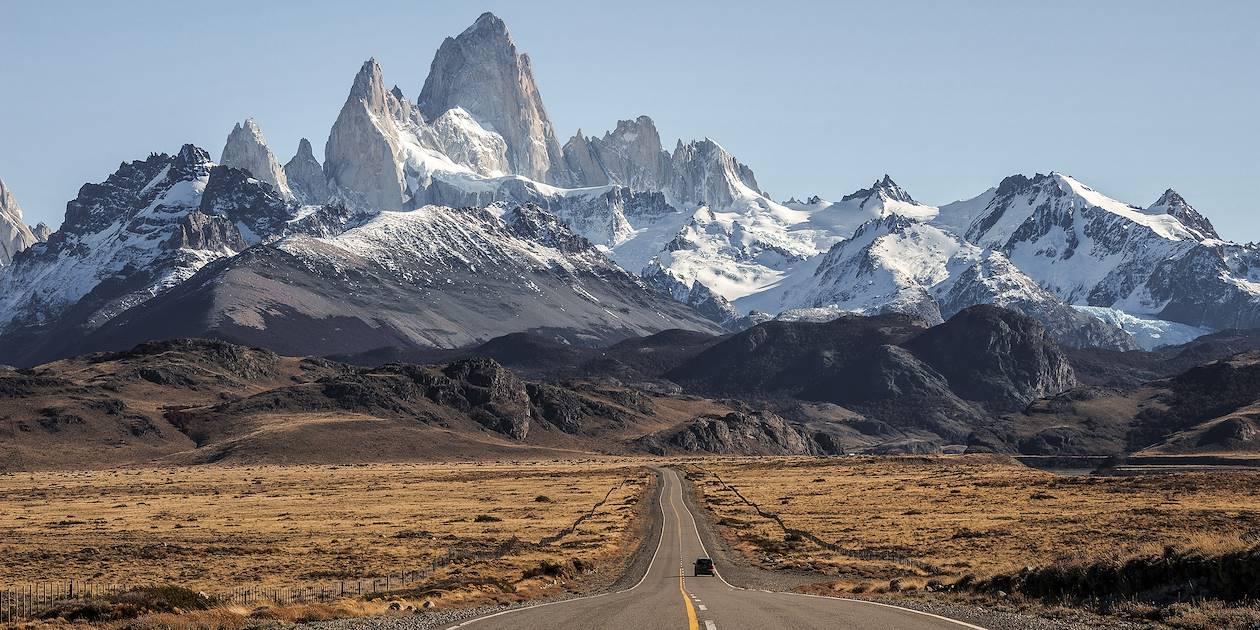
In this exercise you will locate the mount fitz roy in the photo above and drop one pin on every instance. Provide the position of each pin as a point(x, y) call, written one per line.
point(459, 216)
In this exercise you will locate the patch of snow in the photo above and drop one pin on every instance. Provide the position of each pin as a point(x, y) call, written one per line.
point(1149, 333)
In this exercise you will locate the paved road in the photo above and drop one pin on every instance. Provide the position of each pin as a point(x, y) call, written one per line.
point(669, 597)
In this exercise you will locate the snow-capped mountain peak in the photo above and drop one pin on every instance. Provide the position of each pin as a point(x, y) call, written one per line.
point(1019, 200)
point(1174, 205)
point(1089, 249)
point(884, 189)
point(897, 264)
point(833, 221)
point(117, 246)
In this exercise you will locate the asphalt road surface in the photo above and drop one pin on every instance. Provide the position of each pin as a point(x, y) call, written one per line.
point(668, 596)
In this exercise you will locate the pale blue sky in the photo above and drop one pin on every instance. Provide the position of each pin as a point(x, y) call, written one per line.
point(818, 97)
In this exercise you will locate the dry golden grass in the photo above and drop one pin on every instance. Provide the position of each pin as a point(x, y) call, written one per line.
point(922, 518)
point(235, 616)
point(214, 528)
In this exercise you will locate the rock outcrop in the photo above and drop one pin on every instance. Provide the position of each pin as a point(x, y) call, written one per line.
point(41, 232)
point(481, 72)
point(254, 206)
point(996, 356)
point(205, 232)
point(493, 395)
point(306, 176)
point(751, 433)
point(1209, 409)
point(247, 149)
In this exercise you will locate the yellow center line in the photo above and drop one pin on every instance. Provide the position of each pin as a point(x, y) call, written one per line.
point(692, 624)
point(691, 611)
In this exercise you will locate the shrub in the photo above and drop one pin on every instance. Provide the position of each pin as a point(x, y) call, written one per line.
point(131, 604)
point(549, 569)
point(1171, 577)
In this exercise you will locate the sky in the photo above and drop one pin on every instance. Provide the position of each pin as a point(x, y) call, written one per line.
point(817, 97)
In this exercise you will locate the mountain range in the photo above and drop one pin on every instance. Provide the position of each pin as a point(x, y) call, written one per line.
point(987, 380)
point(459, 216)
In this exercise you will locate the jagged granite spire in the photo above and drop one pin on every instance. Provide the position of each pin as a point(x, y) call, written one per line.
point(246, 148)
point(705, 173)
point(306, 176)
point(630, 155)
point(1175, 205)
point(582, 157)
point(15, 236)
point(362, 154)
point(481, 72)
point(41, 232)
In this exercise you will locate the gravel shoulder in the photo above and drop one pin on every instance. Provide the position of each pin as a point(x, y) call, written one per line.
point(738, 571)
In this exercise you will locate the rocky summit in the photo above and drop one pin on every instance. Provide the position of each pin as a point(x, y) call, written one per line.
point(247, 149)
point(481, 72)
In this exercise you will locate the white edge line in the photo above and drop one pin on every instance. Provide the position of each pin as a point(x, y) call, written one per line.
point(700, 539)
point(660, 503)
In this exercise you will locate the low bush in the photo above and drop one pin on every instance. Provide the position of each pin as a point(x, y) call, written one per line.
point(131, 604)
point(1174, 576)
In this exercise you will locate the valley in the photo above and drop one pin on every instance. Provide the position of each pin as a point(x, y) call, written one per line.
point(476, 538)
point(443, 367)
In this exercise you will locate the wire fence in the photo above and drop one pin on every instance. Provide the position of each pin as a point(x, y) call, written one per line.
point(32, 600)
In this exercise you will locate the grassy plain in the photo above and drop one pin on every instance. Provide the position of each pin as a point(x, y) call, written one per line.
point(919, 518)
point(215, 528)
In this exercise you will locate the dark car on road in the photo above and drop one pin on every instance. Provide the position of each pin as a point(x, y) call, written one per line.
point(704, 566)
